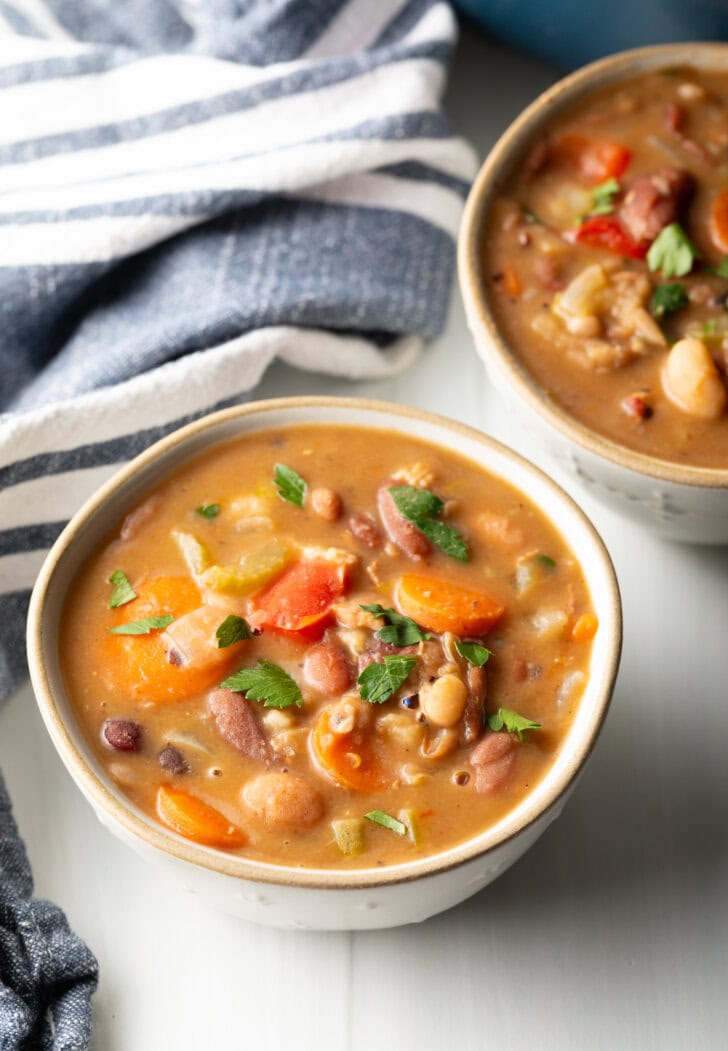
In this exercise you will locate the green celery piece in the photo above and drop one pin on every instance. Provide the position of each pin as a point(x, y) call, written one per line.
point(411, 821)
point(253, 569)
point(196, 554)
point(349, 834)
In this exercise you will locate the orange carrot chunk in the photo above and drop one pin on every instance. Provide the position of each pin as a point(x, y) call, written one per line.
point(594, 160)
point(585, 628)
point(440, 606)
point(719, 221)
point(190, 817)
point(511, 282)
point(148, 665)
point(349, 759)
point(299, 602)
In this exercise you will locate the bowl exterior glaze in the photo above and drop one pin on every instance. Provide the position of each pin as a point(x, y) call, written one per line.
point(285, 895)
point(676, 501)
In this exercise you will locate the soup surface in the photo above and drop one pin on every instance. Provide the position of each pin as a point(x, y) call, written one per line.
point(328, 647)
point(607, 264)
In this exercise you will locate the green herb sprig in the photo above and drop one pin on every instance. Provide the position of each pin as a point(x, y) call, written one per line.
point(399, 630)
point(379, 681)
point(268, 683)
point(290, 485)
point(233, 629)
point(122, 591)
point(422, 508)
point(144, 626)
point(512, 722)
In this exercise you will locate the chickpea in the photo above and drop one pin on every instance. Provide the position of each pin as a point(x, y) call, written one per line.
point(283, 800)
point(443, 701)
point(586, 325)
point(691, 380)
point(326, 503)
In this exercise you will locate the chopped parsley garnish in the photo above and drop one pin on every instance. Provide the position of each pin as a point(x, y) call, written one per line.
point(721, 270)
point(473, 653)
point(233, 629)
point(668, 298)
point(267, 683)
point(122, 591)
point(399, 630)
point(507, 719)
point(208, 510)
point(546, 560)
point(603, 197)
point(672, 252)
point(290, 485)
point(378, 682)
point(387, 821)
point(144, 626)
point(421, 508)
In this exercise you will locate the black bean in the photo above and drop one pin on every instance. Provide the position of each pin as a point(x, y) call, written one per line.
point(172, 759)
point(123, 735)
point(412, 701)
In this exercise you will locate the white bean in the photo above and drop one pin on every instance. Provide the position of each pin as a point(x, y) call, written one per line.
point(691, 380)
point(443, 701)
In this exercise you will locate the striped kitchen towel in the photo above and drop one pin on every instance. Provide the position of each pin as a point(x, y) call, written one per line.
point(188, 190)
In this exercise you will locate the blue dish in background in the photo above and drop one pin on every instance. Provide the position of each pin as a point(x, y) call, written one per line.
point(569, 33)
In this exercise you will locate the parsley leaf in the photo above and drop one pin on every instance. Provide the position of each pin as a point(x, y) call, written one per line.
point(507, 719)
point(546, 560)
point(668, 298)
point(122, 592)
point(267, 683)
point(144, 626)
point(420, 507)
point(473, 653)
point(387, 821)
point(400, 630)
point(378, 682)
point(603, 197)
point(290, 485)
point(233, 629)
point(721, 270)
point(672, 252)
point(208, 510)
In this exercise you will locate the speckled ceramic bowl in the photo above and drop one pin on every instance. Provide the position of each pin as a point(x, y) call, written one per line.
point(287, 896)
point(678, 501)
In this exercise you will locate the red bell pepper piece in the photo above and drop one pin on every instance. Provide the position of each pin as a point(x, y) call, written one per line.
point(298, 603)
point(603, 231)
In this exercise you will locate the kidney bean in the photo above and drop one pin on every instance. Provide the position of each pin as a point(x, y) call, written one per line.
point(238, 723)
point(654, 201)
point(364, 531)
point(326, 669)
point(473, 715)
point(171, 759)
point(492, 760)
point(406, 536)
point(123, 735)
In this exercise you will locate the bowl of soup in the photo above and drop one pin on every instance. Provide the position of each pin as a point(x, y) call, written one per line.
point(333, 663)
point(593, 262)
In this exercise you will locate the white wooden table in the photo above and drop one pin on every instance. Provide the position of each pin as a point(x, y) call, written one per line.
point(612, 933)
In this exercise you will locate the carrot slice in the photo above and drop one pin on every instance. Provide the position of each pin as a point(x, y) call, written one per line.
point(511, 282)
point(719, 221)
point(348, 759)
point(440, 606)
point(594, 160)
point(141, 663)
point(585, 628)
point(190, 817)
point(298, 603)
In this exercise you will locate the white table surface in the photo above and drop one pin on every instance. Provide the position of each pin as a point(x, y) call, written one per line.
point(611, 933)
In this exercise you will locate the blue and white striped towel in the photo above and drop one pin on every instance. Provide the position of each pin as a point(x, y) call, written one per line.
point(188, 190)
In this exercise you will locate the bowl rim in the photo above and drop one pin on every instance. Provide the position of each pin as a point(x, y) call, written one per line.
point(506, 151)
point(154, 835)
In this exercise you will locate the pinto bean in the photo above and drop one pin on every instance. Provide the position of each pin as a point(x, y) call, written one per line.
point(492, 760)
point(326, 503)
point(327, 669)
point(238, 723)
point(364, 531)
point(406, 536)
point(283, 800)
point(654, 201)
point(473, 714)
point(123, 735)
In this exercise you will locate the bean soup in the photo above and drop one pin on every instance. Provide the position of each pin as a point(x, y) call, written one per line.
point(328, 646)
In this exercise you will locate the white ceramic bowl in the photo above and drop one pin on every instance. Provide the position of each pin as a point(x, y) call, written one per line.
point(311, 898)
point(678, 501)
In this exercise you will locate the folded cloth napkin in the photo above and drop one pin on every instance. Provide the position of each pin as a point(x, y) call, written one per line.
point(190, 189)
